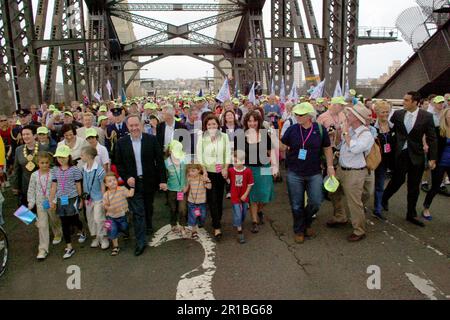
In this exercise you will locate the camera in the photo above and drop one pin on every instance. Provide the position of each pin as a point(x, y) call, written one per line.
point(86, 196)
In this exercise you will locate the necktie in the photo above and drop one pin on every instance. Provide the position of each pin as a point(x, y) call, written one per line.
point(409, 122)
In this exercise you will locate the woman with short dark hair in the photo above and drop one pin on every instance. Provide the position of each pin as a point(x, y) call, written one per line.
point(69, 132)
point(25, 163)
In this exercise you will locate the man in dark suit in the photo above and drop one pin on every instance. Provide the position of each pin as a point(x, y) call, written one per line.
point(409, 127)
point(165, 132)
point(140, 163)
point(115, 130)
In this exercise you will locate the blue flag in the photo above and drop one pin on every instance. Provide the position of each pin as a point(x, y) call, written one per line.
point(124, 95)
point(236, 90)
point(200, 93)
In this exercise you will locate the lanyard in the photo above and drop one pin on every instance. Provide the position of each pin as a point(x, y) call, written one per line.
point(63, 182)
point(93, 180)
point(307, 137)
point(44, 190)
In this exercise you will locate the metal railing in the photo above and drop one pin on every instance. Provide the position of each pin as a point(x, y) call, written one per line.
point(378, 32)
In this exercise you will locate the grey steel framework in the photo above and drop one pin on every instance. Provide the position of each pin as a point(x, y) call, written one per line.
point(90, 58)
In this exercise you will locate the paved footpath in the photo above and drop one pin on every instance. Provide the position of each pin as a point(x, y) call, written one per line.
point(413, 262)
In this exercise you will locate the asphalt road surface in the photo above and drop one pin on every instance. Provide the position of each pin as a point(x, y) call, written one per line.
point(397, 259)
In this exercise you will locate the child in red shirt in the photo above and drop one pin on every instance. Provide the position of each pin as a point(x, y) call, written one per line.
point(241, 182)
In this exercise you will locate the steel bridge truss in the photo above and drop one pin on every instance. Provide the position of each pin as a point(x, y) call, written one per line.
point(90, 58)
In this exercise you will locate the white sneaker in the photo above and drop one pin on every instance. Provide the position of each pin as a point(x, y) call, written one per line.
point(42, 254)
point(228, 196)
point(68, 253)
point(95, 243)
point(82, 238)
point(57, 240)
point(105, 243)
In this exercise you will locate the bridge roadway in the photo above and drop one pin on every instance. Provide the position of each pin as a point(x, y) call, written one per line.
point(413, 261)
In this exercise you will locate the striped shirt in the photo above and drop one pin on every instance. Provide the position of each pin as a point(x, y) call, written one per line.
point(197, 191)
point(66, 180)
point(117, 202)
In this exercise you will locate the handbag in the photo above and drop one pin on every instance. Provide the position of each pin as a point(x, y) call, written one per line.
point(374, 157)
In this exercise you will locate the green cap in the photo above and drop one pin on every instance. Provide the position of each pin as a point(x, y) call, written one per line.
point(303, 108)
point(236, 101)
point(338, 100)
point(91, 132)
point(62, 151)
point(42, 130)
point(68, 113)
point(353, 92)
point(101, 118)
point(151, 106)
point(52, 107)
point(176, 149)
point(56, 113)
point(331, 184)
point(186, 106)
point(438, 99)
point(320, 100)
point(198, 99)
point(103, 108)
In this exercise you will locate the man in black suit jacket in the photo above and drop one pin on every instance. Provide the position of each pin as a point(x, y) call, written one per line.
point(169, 123)
point(140, 164)
point(409, 127)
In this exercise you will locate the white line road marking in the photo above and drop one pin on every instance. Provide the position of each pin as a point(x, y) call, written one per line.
point(417, 239)
point(196, 287)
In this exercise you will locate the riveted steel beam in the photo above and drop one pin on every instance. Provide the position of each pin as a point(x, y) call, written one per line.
point(19, 74)
point(176, 7)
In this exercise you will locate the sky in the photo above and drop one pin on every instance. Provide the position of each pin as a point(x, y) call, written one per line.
point(373, 60)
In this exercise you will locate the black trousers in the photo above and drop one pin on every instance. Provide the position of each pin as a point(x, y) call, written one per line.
point(67, 222)
point(403, 167)
point(436, 179)
point(215, 198)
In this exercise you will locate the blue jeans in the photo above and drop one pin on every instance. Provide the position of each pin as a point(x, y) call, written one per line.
point(380, 177)
point(239, 213)
point(117, 225)
point(297, 186)
point(192, 219)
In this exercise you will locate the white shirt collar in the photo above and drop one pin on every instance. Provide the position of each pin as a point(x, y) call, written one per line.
point(94, 167)
point(136, 140)
point(413, 113)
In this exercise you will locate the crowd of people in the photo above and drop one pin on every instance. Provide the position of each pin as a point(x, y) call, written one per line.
point(89, 170)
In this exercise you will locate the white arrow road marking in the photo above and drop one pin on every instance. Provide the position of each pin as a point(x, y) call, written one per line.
point(423, 285)
point(189, 287)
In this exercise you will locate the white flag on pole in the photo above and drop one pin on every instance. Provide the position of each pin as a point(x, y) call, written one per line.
point(224, 93)
point(109, 87)
point(282, 91)
point(251, 95)
point(347, 91)
point(337, 90)
point(272, 88)
point(318, 90)
point(98, 96)
point(293, 95)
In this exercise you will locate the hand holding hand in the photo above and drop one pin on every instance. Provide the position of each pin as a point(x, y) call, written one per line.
point(432, 164)
point(131, 182)
point(163, 186)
